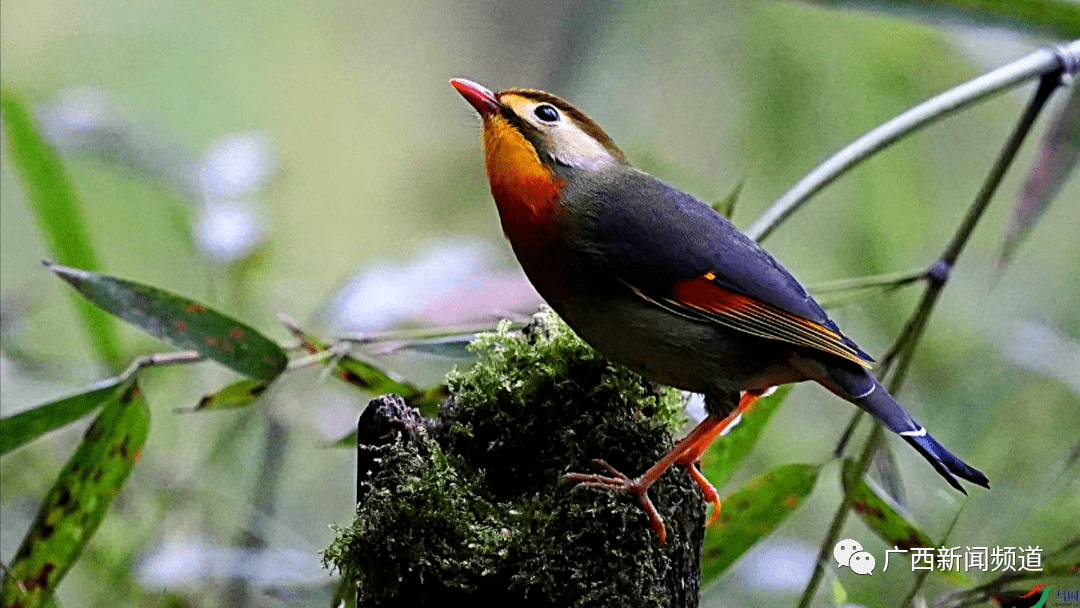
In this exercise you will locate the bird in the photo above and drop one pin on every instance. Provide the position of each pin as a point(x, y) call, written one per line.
point(658, 281)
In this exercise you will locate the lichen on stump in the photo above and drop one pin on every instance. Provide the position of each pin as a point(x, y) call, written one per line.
point(474, 506)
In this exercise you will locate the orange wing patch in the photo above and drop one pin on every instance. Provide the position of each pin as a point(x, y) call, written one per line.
point(714, 303)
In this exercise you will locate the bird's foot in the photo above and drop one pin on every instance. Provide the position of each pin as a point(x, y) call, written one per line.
point(639, 487)
point(708, 491)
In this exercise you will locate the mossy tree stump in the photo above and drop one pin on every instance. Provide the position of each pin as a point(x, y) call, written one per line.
point(474, 506)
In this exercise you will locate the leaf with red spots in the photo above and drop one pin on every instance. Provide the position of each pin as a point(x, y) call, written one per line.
point(883, 518)
point(725, 454)
point(370, 378)
point(752, 513)
point(181, 322)
point(27, 426)
point(378, 382)
point(1056, 161)
point(78, 501)
point(236, 395)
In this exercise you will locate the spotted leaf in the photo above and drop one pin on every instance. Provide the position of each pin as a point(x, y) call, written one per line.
point(892, 527)
point(236, 395)
point(24, 427)
point(753, 512)
point(725, 454)
point(181, 322)
point(78, 501)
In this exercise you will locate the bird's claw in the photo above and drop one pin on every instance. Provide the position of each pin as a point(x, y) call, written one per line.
point(708, 492)
point(619, 481)
point(616, 479)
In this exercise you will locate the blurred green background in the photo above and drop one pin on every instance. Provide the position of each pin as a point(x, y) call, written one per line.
point(365, 158)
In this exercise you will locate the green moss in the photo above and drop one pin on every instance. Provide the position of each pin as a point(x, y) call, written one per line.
point(441, 525)
point(479, 506)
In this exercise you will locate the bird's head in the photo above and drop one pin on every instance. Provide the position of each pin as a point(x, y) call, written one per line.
point(533, 141)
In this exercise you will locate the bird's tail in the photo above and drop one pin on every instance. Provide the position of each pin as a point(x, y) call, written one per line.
point(862, 389)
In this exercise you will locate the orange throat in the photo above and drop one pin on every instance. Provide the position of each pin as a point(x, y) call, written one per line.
point(525, 191)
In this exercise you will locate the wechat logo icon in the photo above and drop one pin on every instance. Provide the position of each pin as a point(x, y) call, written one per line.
point(850, 553)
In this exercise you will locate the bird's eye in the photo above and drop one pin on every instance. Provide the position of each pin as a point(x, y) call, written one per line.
point(546, 113)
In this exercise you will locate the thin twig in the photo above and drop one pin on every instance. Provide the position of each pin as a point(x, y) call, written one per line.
point(860, 287)
point(162, 359)
point(841, 445)
point(984, 592)
point(939, 272)
point(1041, 62)
point(415, 335)
point(921, 576)
point(937, 276)
point(311, 360)
point(890, 280)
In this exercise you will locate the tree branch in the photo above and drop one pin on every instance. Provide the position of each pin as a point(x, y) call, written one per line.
point(1064, 59)
point(937, 276)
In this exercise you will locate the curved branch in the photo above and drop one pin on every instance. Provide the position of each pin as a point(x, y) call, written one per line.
point(903, 349)
point(1044, 61)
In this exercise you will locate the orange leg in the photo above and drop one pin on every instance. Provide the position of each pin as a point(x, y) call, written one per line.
point(688, 451)
point(693, 453)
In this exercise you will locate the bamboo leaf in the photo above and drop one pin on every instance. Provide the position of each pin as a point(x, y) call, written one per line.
point(368, 377)
point(181, 322)
point(27, 426)
point(724, 455)
point(78, 501)
point(371, 379)
point(752, 513)
point(1056, 161)
point(378, 382)
point(236, 395)
point(885, 520)
point(58, 211)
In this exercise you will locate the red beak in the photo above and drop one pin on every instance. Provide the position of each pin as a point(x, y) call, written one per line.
point(479, 96)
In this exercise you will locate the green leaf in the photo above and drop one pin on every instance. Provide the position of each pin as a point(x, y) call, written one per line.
point(1057, 159)
point(725, 454)
point(181, 322)
point(839, 594)
point(883, 518)
point(58, 211)
point(368, 378)
point(236, 395)
point(78, 501)
point(752, 513)
point(376, 381)
point(372, 379)
point(27, 426)
point(354, 371)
